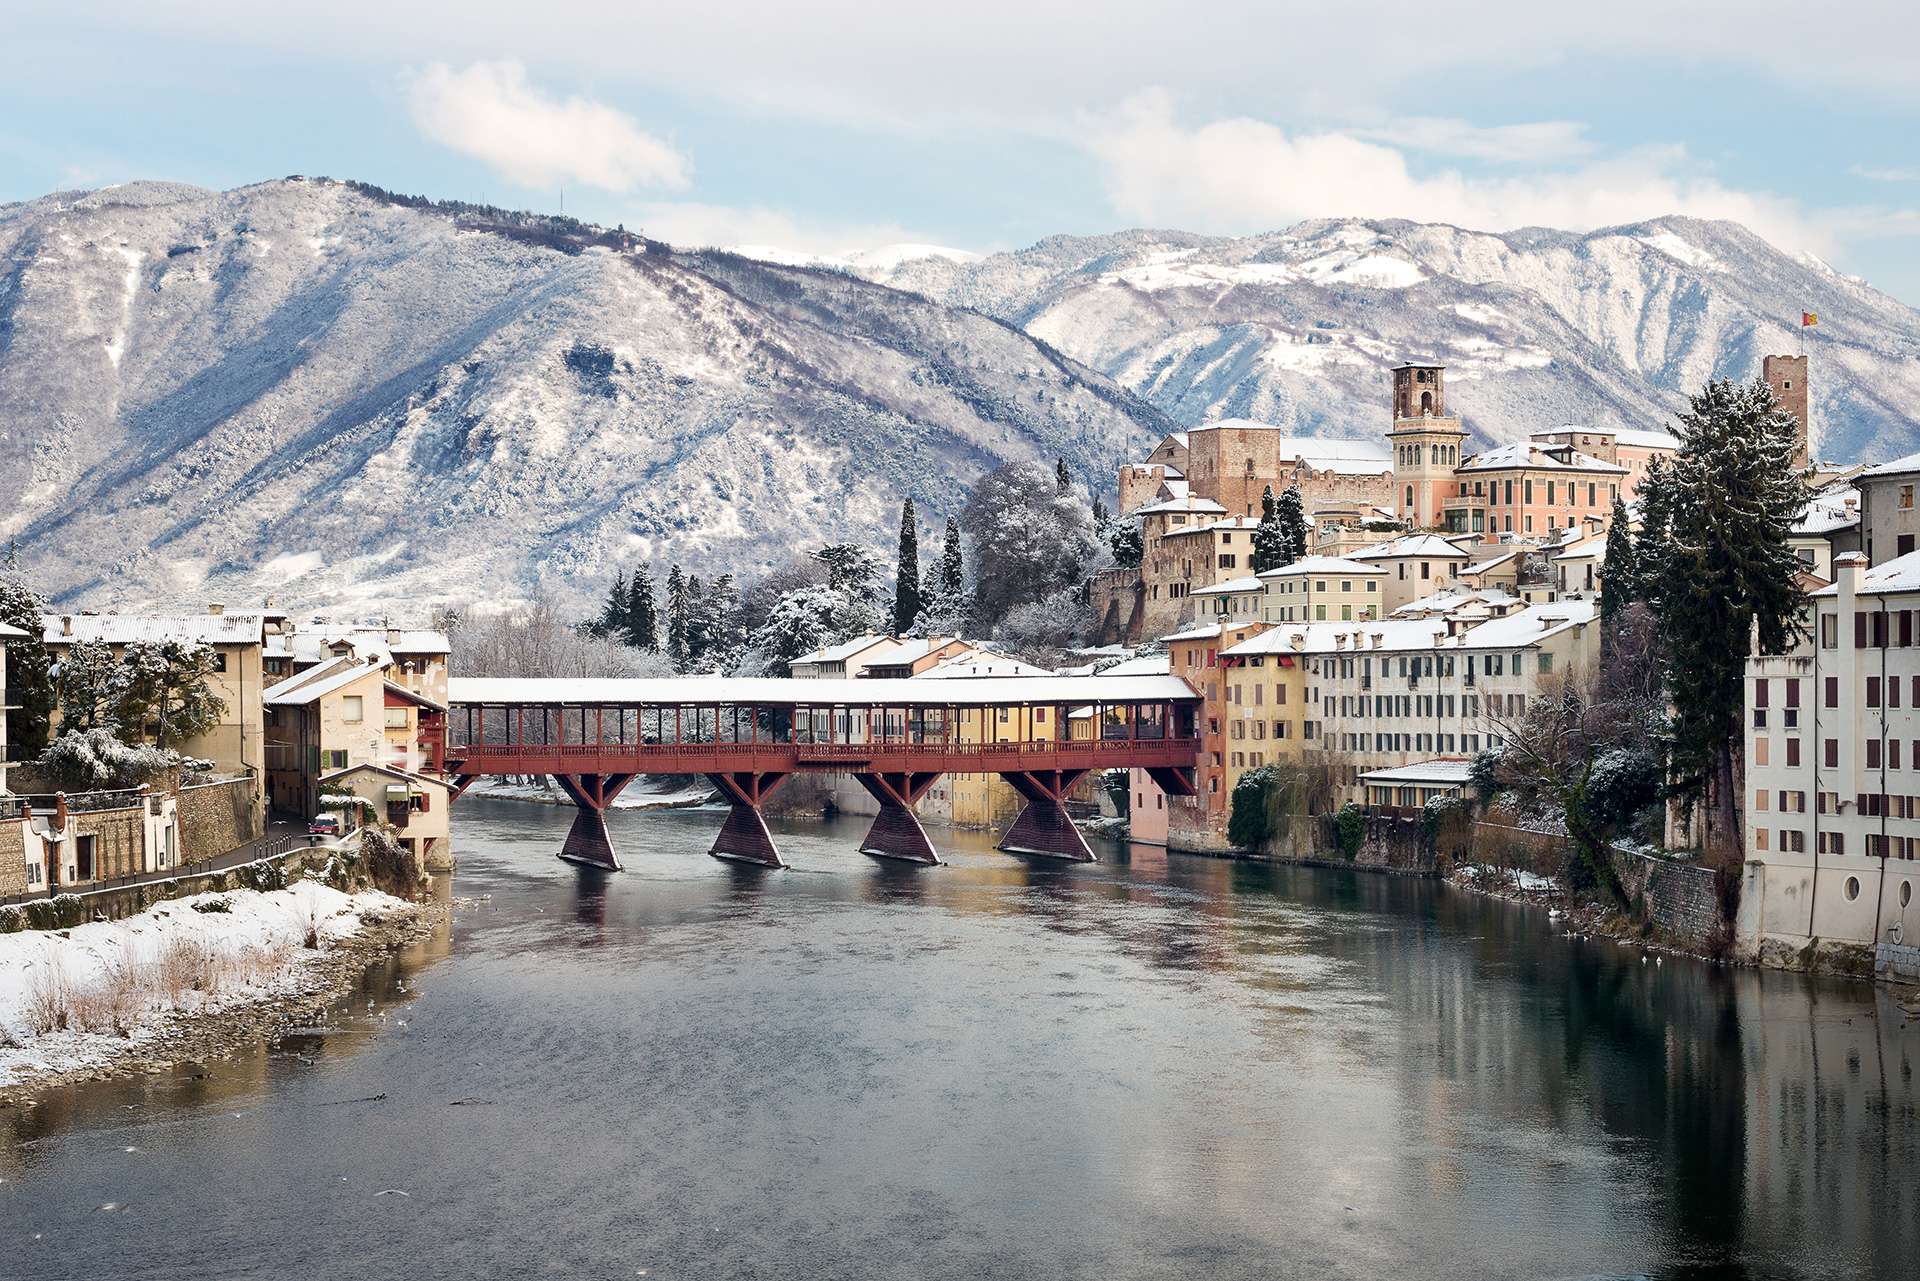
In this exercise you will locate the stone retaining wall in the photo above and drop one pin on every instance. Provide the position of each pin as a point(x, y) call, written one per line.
point(130, 900)
point(217, 817)
point(1681, 899)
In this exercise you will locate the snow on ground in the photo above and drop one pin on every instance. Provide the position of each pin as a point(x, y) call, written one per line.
point(636, 796)
point(130, 974)
point(1517, 878)
point(1680, 251)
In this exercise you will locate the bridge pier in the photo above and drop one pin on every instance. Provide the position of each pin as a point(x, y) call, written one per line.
point(744, 836)
point(587, 842)
point(1043, 826)
point(896, 830)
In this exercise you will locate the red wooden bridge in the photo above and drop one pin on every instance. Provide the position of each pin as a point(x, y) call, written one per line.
point(895, 737)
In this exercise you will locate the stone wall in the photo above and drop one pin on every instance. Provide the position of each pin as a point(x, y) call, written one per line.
point(13, 857)
point(129, 900)
point(1681, 899)
point(217, 817)
point(1395, 844)
point(119, 840)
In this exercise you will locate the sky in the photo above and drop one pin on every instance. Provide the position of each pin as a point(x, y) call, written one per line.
point(838, 125)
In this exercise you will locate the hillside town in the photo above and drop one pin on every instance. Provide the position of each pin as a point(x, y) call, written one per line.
point(1375, 632)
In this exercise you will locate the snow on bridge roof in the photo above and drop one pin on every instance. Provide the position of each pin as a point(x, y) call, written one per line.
point(967, 691)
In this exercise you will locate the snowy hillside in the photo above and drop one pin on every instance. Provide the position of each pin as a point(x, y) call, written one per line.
point(302, 389)
point(1536, 327)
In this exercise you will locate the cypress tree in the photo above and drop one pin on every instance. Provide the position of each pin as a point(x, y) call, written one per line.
point(1619, 571)
point(642, 630)
point(1714, 552)
point(906, 578)
point(953, 579)
point(677, 619)
point(1291, 512)
point(699, 623)
point(1269, 539)
point(1062, 478)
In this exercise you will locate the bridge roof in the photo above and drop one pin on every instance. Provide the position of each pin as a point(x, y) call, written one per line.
point(963, 691)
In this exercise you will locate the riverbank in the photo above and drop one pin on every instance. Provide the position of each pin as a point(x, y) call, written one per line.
point(189, 980)
point(633, 797)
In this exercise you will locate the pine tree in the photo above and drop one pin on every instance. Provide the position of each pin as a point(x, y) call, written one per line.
point(906, 576)
point(677, 619)
point(29, 664)
point(88, 686)
point(1715, 558)
point(699, 624)
point(613, 614)
point(642, 628)
point(727, 635)
point(1619, 571)
point(1291, 511)
point(1062, 478)
point(1100, 514)
point(953, 579)
point(1269, 539)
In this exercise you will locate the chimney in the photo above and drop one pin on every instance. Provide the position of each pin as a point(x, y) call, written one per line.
point(66, 624)
point(1846, 572)
point(216, 608)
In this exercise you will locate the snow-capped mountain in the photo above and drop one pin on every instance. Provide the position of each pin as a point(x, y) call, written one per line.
point(309, 390)
point(1537, 327)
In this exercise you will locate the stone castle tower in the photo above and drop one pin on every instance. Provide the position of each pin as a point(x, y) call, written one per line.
point(1426, 444)
point(1787, 375)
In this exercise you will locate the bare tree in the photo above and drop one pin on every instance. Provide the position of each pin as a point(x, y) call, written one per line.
point(536, 639)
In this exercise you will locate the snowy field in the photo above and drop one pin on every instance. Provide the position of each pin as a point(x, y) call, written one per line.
point(73, 998)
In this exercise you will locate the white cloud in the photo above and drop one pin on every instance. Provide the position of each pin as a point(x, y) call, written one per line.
point(1241, 175)
point(1530, 143)
point(489, 111)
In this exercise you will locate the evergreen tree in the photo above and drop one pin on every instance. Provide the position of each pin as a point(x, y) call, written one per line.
point(1062, 478)
point(1128, 547)
point(677, 619)
point(29, 665)
point(1100, 513)
point(1619, 571)
point(1269, 538)
point(953, 579)
point(906, 576)
point(727, 633)
point(165, 691)
point(612, 619)
point(88, 686)
point(642, 627)
point(1714, 554)
point(1292, 514)
point(699, 624)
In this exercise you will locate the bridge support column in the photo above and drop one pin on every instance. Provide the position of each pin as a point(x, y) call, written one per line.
point(744, 836)
point(896, 831)
point(587, 842)
point(1043, 826)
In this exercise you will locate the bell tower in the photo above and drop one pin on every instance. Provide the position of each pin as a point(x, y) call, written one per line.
point(1787, 375)
point(1426, 444)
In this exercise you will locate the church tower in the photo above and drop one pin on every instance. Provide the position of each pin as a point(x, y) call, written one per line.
point(1787, 375)
point(1426, 444)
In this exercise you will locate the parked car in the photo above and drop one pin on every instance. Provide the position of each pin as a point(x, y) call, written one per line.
point(325, 825)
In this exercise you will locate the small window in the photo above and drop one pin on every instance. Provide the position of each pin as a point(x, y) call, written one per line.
point(396, 717)
point(352, 709)
point(1853, 888)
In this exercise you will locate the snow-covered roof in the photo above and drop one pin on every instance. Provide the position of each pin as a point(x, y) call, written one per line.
point(1232, 587)
point(841, 652)
point(1207, 632)
point(316, 682)
point(911, 650)
point(1482, 566)
point(1143, 665)
point(1451, 771)
point(1901, 574)
point(1424, 546)
point(126, 629)
point(980, 662)
point(1453, 600)
point(1525, 453)
point(1638, 439)
point(1897, 467)
point(1307, 565)
point(1231, 523)
point(388, 770)
point(8, 633)
point(1590, 548)
point(1343, 638)
point(832, 691)
point(1188, 504)
point(1530, 626)
point(1829, 511)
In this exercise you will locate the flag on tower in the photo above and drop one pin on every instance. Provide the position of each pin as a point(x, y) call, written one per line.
point(1808, 320)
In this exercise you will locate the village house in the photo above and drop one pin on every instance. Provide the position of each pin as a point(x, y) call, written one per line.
point(1832, 752)
point(1532, 490)
point(1412, 566)
point(1889, 518)
point(8, 636)
point(1322, 589)
point(1237, 600)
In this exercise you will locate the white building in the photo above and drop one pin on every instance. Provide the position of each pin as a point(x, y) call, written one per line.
point(1833, 770)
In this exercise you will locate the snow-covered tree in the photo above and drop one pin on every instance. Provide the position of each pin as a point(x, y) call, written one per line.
point(1269, 539)
point(725, 639)
point(953, 578)
point(641, 628)
point(1718, 570)
point(165, 690)
point(1619, 570)
point(1029, 540)
point(851, 569)
point(88, 683)
point(1126, 543)
point(906, 576)
point(94, 760)
point(1291, 512)
point(612, 618)
point(699, 625)
point(677, 606)
point(1042, 628)
point(1062, 478)
point(29, 665)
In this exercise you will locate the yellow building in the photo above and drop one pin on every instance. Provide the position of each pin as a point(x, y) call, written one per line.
point(1322, 589)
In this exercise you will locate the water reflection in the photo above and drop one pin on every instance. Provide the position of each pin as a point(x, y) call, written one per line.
point(1155, 1066)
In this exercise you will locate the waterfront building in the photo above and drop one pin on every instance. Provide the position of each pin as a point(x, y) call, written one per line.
point(1833, 770)
point(844, 658)
point(1194, 654)
point(418, 655)
point(1321, 589)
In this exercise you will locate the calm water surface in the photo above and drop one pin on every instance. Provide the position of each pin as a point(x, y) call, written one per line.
point(1158, 1066)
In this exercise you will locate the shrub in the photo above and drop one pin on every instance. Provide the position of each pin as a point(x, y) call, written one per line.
point(1350, 829)
point(264, 877)
point(213, 905)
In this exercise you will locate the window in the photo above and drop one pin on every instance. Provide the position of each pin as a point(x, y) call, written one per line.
point(352, 709)
point(1546, 663)
point(219, 662)
point(1831, 753)
point(1906, 498)
point(1793, 752)
point(396, 717)
point(1832, 691)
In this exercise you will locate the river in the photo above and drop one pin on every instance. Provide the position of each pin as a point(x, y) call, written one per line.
point(1156, 1066)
